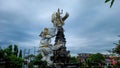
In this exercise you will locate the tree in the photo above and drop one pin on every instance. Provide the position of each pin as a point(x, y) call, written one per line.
point(11, 58)
point(112, 1)
point(20, 53)
point(73, 59)
point(97, 58)
point(37, 61)
point(15, 50)
point(10, 47)
point(16, 61)
point(117, 48)
point(2, 53)
point(8, 51)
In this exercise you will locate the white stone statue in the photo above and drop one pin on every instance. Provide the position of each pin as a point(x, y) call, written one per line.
point(46, 47)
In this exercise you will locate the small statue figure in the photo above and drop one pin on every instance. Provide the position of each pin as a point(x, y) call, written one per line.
point(57, 20)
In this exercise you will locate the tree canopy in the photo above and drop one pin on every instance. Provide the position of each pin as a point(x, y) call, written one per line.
point(117, 48)
point(97, 58)
point(10, 56)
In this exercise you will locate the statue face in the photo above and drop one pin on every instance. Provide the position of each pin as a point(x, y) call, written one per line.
point(45, 31)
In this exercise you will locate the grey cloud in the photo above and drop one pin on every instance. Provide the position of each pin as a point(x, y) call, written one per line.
point(91, 24)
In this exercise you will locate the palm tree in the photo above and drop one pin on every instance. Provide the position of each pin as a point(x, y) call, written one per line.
point(112, 1)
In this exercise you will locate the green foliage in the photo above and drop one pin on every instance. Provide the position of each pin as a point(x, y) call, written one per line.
point(117, 48)
point(107, 1)
point(17, 61)
point(10, 56)
point(1, 53)
point(112, 1)
point(73, 59)
point(38, 57)
point(8, 51)
point(15, 50)
point(88, 62)
point(97, 58)
point(10, 47)
point(37, 61)
point(20, 53)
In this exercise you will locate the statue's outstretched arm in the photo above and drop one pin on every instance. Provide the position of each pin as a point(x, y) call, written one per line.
point(41, 34)
point(65, 17)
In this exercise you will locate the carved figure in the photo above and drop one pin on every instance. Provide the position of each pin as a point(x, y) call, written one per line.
point(46, 47)
point(57, 19)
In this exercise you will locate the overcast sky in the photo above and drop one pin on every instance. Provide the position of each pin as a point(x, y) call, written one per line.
point(91, 27)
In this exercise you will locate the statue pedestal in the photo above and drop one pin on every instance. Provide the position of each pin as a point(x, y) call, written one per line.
point(61, 55)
